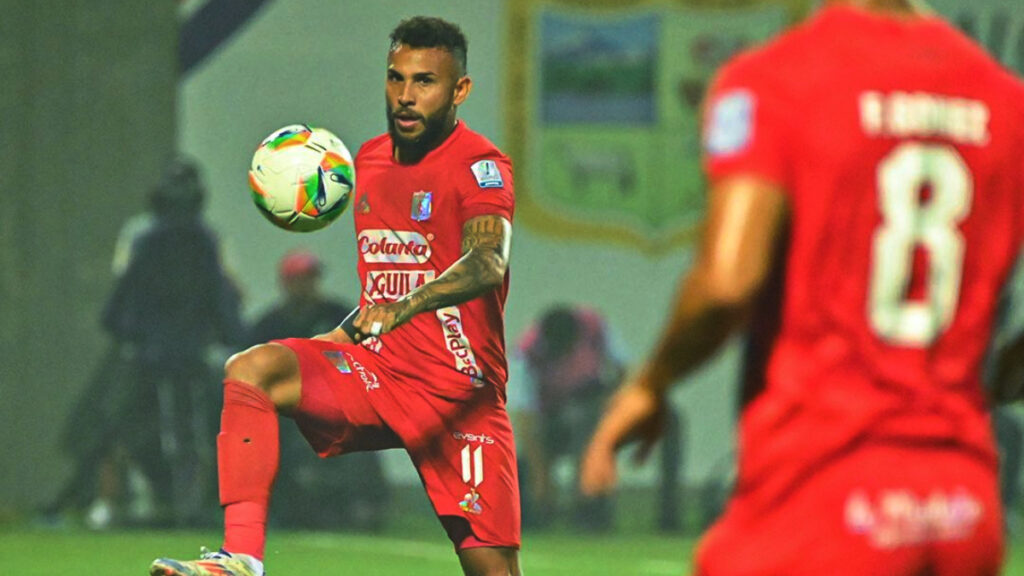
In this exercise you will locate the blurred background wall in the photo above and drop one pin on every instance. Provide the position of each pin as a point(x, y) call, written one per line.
point(93, 104)
point(87, 120)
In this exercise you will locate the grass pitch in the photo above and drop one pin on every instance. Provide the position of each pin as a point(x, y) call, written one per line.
point(26, 552)
point(36, 552)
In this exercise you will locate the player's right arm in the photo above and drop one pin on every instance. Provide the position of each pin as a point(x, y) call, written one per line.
point(747, 163)
point(745, 219)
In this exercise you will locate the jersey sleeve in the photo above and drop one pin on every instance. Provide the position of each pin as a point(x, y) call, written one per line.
point(487, 187)
point(744, 127)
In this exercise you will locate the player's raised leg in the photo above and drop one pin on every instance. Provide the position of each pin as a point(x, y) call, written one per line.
point(258, 384)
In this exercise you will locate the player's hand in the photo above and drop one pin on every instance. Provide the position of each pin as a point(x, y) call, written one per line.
point(379, 319)
point(635, 412)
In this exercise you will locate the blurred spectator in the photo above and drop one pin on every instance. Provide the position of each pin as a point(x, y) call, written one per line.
point(304, 310)
point(151, 406)
point(304, 480)
point(569, 367)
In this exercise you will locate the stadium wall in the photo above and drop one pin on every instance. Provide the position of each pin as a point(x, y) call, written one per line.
point(88, 118)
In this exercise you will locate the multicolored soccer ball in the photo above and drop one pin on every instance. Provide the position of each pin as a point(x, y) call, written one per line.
point(302, 178)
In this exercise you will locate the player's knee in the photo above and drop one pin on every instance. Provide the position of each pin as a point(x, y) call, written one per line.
point(263, 366)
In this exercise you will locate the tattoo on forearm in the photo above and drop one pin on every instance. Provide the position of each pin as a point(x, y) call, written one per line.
point(481, 268)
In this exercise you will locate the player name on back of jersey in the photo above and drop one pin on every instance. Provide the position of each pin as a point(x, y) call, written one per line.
point(923, 115)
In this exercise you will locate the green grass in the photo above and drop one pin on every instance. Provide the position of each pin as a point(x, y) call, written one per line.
point(39, 553)
point(413, 544)
point(34, 552)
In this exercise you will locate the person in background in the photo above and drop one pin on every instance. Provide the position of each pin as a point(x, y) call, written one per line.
point(570, 367)
point(356, 480)
point(138, 431)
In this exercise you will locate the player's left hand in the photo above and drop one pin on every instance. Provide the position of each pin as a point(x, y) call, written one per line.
point(634, 413)
point(379, 319)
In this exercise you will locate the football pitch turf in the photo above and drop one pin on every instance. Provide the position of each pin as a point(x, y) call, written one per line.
point(32, 552)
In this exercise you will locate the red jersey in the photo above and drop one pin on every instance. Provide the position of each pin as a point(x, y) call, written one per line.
point(408, 221)
point(899, 143)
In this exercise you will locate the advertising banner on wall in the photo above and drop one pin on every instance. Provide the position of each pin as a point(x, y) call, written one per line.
point(604, 113)
point(603, 109)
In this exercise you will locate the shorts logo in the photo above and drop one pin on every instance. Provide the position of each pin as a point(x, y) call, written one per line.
point(337, 358)
point(730, 127)
point(897, 518)
point(471, 502)
point(487, 174)
point(393, 246)
point(481, 438)
point(422, 206)
point(369, 378)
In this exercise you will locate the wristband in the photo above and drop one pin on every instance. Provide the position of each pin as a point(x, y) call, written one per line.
point(349, 327)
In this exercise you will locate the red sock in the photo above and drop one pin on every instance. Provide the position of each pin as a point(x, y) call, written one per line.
point(247, 457)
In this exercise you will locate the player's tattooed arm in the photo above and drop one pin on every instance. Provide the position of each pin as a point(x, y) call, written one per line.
point(485, 250)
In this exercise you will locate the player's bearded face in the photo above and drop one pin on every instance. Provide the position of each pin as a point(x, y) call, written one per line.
point(423, 88)
point(409, 127)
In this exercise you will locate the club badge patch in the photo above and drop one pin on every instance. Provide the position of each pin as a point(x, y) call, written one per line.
point(422, 206)
point(730, 126)
point(487, 174)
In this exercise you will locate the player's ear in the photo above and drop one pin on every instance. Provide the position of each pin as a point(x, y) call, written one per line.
point(462, 88)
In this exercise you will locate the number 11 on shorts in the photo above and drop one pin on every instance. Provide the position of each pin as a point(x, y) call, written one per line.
point(473, 465)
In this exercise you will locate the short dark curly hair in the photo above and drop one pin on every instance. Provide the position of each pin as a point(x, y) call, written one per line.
point(431, 32)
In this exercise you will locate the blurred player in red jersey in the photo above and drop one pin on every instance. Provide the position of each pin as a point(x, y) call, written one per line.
point(866, 204)
point(421, 365)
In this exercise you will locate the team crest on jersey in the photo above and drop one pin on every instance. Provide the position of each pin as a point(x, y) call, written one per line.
point(422, 206)
point(487, 174)
point(730, 126)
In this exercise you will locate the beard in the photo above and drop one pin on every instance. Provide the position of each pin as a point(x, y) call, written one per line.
point(431, 136)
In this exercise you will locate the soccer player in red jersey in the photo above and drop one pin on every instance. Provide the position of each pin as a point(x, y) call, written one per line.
point(421, 365)
point(866, 205)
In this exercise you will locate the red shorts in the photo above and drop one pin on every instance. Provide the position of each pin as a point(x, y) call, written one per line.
point(461, 443)
point(881, 510)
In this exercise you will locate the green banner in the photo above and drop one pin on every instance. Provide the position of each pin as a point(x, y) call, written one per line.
point(609, 140)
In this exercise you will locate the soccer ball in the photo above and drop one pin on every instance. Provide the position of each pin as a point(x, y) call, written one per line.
point(302, 178)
